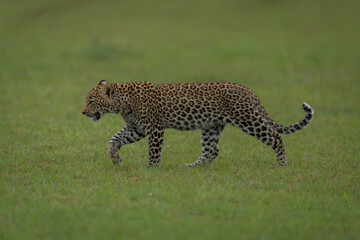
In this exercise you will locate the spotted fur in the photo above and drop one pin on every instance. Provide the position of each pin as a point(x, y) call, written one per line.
point(149, 109)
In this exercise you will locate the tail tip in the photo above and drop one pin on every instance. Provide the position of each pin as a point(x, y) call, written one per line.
point(307, 108)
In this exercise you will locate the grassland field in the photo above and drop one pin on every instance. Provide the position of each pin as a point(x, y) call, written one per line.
point(56, 179)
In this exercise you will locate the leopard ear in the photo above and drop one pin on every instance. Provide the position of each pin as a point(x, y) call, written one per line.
point(102, 82)
point(106, 92)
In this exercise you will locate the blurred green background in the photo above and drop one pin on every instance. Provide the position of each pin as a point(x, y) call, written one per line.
point(56, 180)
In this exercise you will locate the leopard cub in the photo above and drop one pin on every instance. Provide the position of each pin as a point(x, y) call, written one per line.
point(148, 109)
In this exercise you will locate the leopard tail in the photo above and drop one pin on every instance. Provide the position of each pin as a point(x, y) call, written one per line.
point(288, 129)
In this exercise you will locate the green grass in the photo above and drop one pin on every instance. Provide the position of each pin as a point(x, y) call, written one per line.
point(56, 179)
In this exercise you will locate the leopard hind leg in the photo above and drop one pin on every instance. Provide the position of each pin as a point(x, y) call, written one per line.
point(253, 124)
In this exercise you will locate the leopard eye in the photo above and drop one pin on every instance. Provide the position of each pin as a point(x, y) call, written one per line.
point(90, 102)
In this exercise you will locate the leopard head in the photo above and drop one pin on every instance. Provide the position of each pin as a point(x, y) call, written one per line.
point(99, 101)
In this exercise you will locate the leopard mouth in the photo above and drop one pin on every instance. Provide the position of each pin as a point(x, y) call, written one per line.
point(96, 116)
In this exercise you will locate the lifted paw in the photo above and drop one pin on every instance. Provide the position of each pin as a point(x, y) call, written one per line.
point(189, 165)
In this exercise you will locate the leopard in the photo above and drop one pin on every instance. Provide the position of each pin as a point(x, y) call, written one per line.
point(148, 109)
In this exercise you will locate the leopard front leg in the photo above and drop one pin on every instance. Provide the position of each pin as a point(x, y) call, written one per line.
point(127, 135)
point(156, 137)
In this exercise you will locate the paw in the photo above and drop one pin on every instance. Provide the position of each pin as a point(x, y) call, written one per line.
point(276, 165)
point(150, 165)
point(188, 165)
point(117, 161)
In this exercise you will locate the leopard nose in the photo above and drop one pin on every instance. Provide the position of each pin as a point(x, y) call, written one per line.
point(83, 112)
